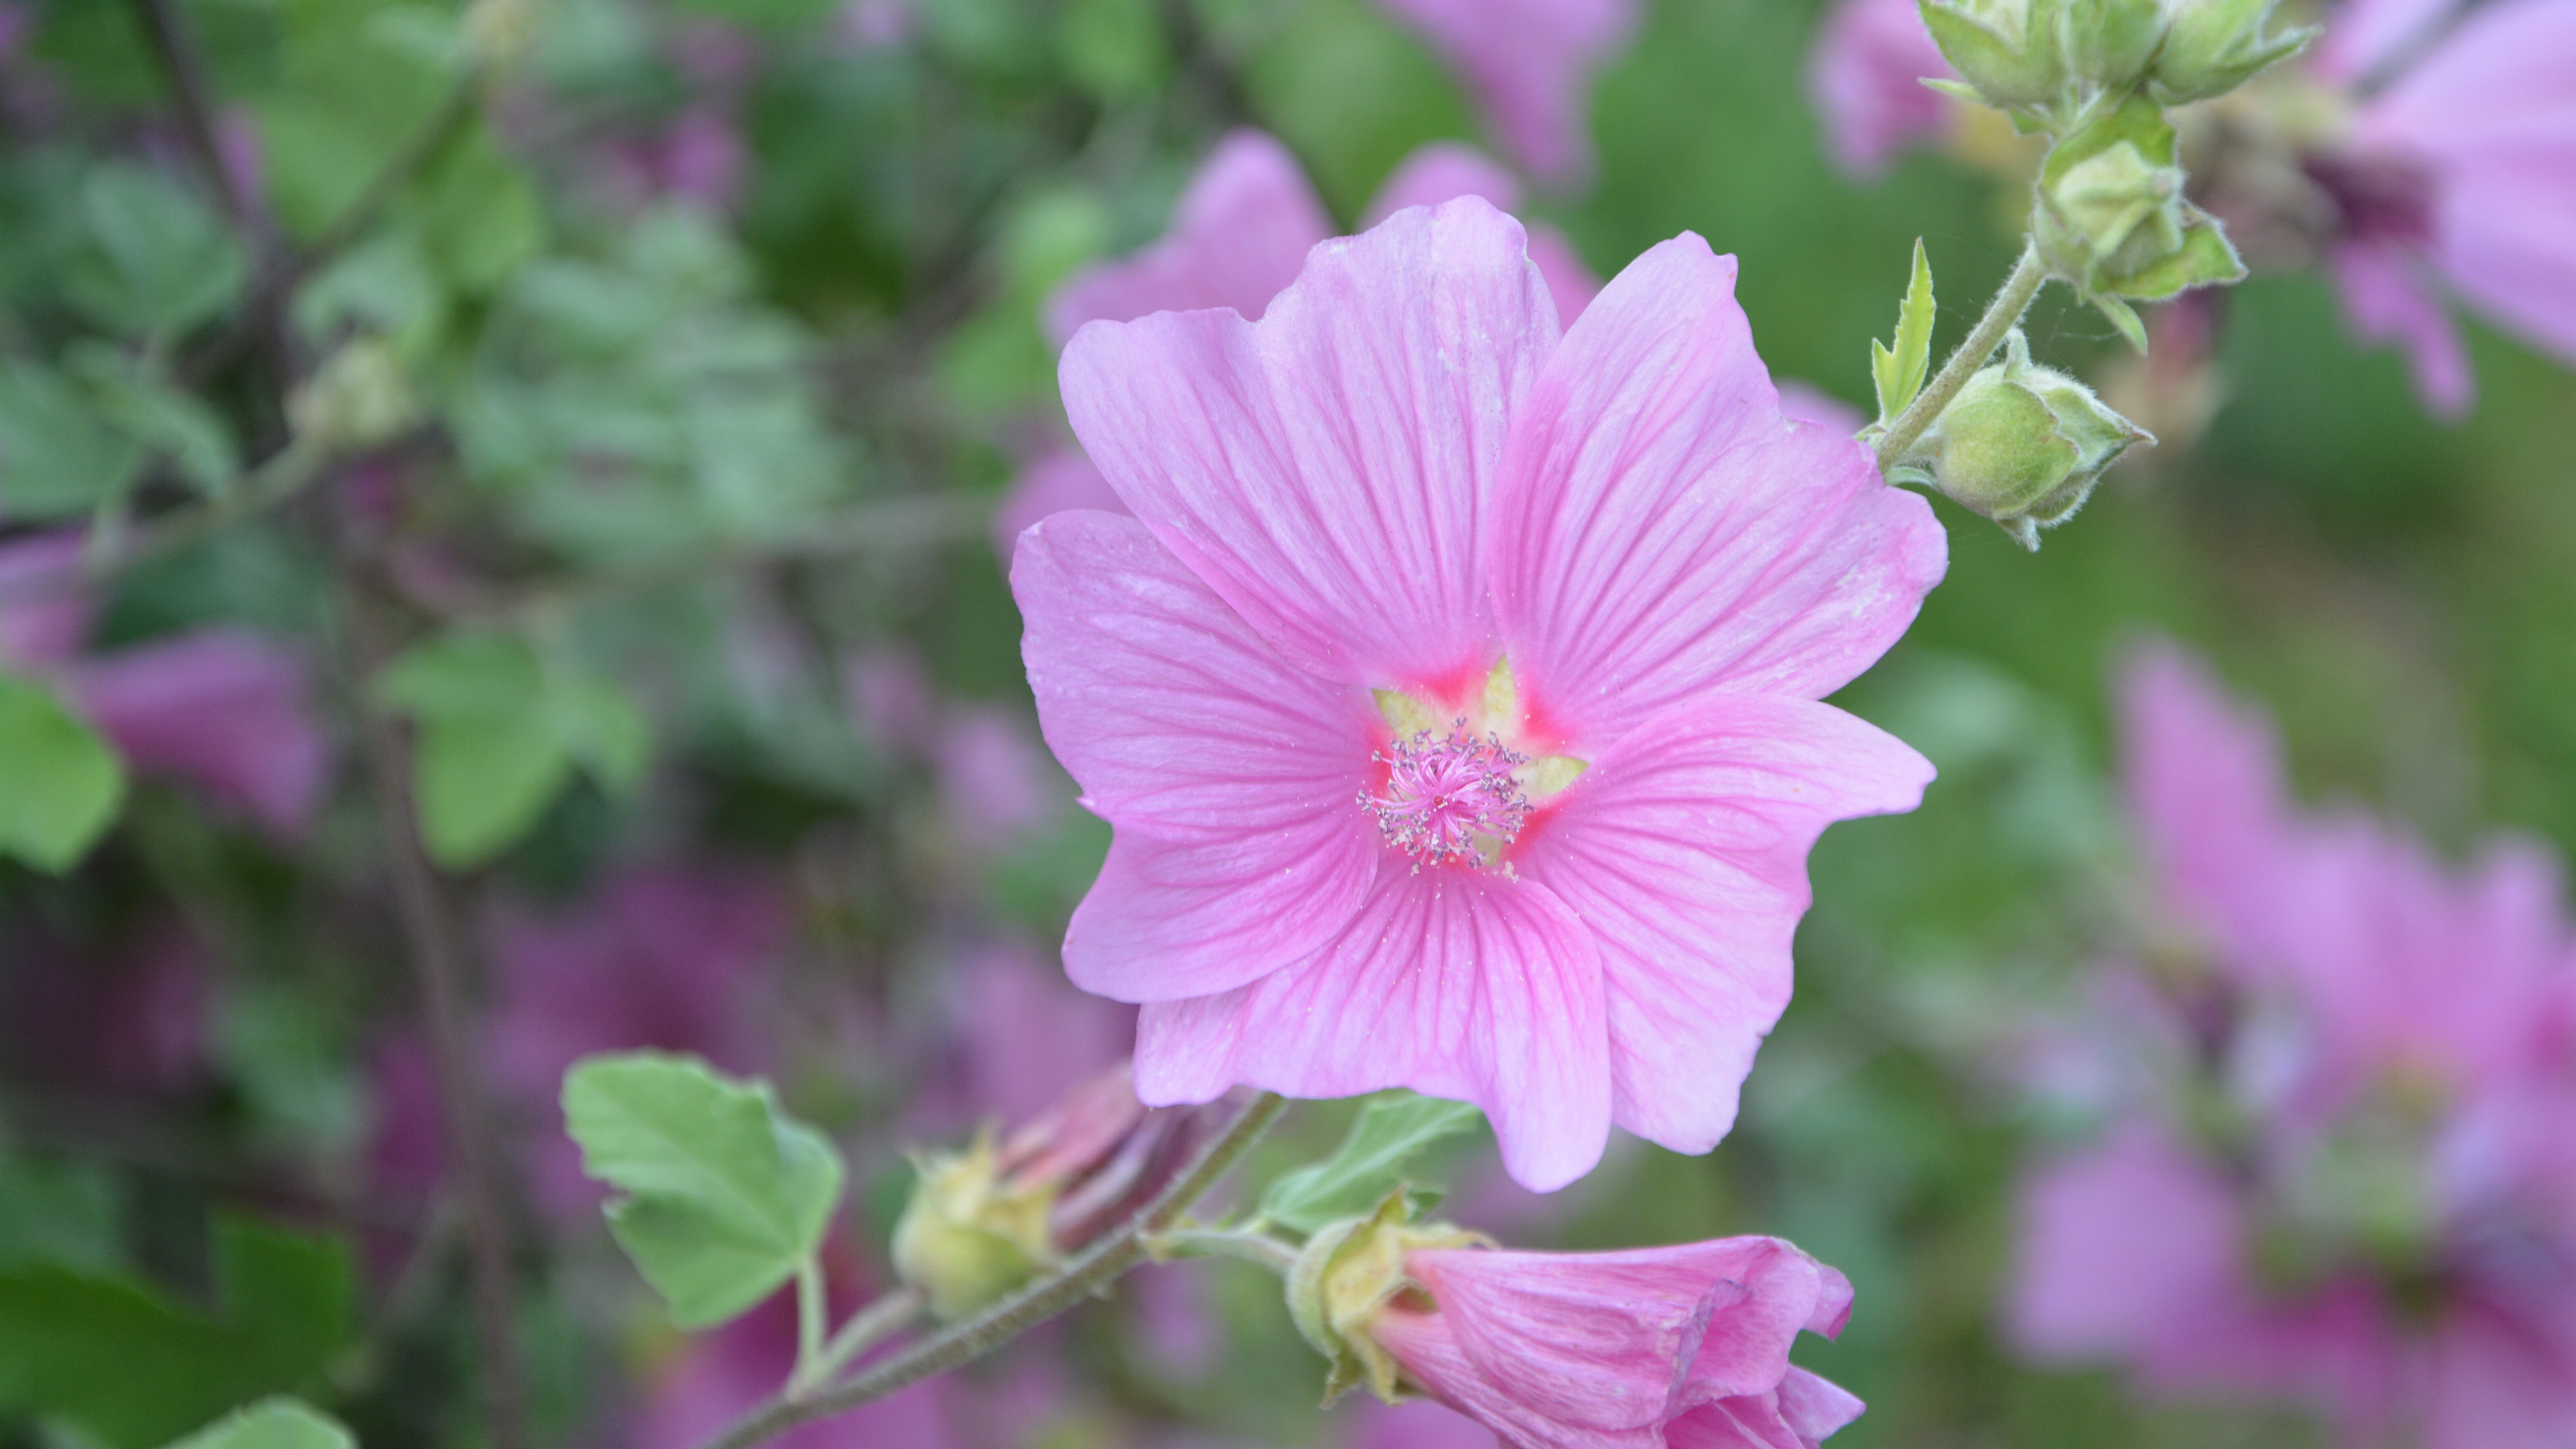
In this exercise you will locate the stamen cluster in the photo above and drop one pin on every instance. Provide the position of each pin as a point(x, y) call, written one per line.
point(1449, 799)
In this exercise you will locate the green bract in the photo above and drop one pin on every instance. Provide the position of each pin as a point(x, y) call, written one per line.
point(2213, 46)
point(2111, 219)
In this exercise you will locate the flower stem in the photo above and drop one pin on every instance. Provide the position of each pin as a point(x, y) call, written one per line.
point(2002, 315)
point(811, 1316)
point(867, 1328)
point(1122, 1248)
point(1259, 1248)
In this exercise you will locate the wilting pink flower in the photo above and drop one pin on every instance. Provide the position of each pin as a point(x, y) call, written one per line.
point(1656, 1348)
point(1452, 690)
point(1530, 62)
point(667, 957)
point(1241, 232)
point(220, 708)
point(2463, 170)
point(2389, 1235)
point(1865, 78)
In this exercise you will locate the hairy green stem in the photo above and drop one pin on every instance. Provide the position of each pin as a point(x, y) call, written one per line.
point(1250, 1247)
point(811, 1311)
point(2002, 315)
point(866, 1329)
point(1122, 1248)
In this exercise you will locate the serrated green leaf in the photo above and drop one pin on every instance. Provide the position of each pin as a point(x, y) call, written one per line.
point(1901, 370)
point(1369, 1164)
point(280, 1422)
point(58, 456)
point(722, 1194)
point(159, 258)
point(60, 785)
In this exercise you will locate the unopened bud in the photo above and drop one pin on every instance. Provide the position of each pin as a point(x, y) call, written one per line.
point(967, 1237)
point(2012, 53)
point(2021, 444)
point(2110, 42)
point(2213, 46)
point(498, 33)
point(360, 397)
point(1347, 1272)
point(2111, 218)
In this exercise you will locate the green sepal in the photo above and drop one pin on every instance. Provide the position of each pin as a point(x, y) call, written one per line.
point(1899, 371)
point(2125, 318)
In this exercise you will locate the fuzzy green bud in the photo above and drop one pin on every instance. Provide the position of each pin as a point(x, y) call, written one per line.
point(2213, 46)
point(2110, 216)
point(360, 397)
point(967, 1237)
point(2021, 444)
point(1349, 1271)
point(2012, 53)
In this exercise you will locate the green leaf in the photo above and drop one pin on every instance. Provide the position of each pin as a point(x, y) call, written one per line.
point(58, 456)
point(272, 1423)
point(483, 219)
point(354, 83)
point(1900, 371)
point(60, 1213)
point(723, 1194)
point(1113, 48)
point(162, 419)
point(1368, 1165)
point(2207, 259)
point(159, 258)
point(60, 785)
point(500, 737)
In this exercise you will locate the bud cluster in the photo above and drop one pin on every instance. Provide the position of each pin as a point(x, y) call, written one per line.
point(2047, 61)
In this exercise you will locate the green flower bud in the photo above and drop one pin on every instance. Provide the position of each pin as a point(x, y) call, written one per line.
point(2012, 53)
point(361, 396)
point(1347, 1272)
point(2109, 43)
point(2213, 46)
point(2111, 218)
point(2021, 444)
point(967, 1237)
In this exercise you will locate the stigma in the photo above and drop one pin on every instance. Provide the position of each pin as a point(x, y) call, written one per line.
point(1449, 799)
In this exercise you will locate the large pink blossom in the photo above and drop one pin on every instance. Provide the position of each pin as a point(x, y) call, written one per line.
point(2390, 1234)
point(1530, 62)
point(1865, 77)
point(2465, 164)
point(1656, 1348)
point(220, 708)
point(1452, 691)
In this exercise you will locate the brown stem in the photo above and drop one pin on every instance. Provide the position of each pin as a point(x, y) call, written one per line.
point(430, 936)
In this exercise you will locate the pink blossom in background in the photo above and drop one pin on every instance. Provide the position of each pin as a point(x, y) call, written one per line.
point(1865, 78)
point(890, 697)
point(406, 1149)
point(2391, 1236)
point(1530, 63)
point(875, 24)
point(131, 1017)
point(667, 957)
point(1657, 1348)
point(1026, 1036)
point(2464, 166)
point(221, 709)
point(994, 780)
point(1239, 235)
point(1605, 556)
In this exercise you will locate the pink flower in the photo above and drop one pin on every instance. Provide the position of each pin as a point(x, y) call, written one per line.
point(1865, 78)
point(1530, 62)
point(1656, 1348)
point(2463, 168)
point(1027, 1037)
point(1059, 479)
point(127, 1018)
point(994, 782)
point(220, 708)
point(1452, 690)
point(2390, 1235)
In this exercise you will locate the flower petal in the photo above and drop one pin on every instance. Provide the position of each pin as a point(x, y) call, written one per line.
point(1166, 921)
point(1684, 851)
point(2122, 1248)
point(1456, 983)
point(1326, 470)
point(1661, 536)
point(1177, 720)
point(223, 709)
point(1238, 236)
point(1432, 1358)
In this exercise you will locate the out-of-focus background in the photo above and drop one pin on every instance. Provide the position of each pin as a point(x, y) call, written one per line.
point(677, 356)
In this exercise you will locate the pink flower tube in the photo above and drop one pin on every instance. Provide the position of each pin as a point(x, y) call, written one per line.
point(1452, 691)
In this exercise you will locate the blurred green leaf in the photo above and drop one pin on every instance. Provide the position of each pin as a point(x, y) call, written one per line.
point(62, 1213)
point(163, 419)
point(1353, 93)
point(1113, 48)
point(159, 259)
point(356, 79)
point(58, 456)
point(60, 785)
point(482, 219)
point(133, 1370)
point(1369, 1164)
point(272, 1423)
point(722, 1194)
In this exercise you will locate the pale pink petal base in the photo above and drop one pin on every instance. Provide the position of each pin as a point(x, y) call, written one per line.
point(2387, 299)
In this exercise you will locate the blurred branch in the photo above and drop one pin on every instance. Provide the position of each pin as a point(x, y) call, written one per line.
point(1116, 1251)
point(178, 62)
point(431, 939)
point(279, 479)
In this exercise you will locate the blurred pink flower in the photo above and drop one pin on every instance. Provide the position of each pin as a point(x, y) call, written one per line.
point(221, 709)
point(2389, 1235)
point(127, 1018)
point(875, 24)
point(1657, 1348)
point(1865, 78)
point(890, 697)
point(1026, 1036)
point(1603, 557)
point(667, 957)
point(1057, 480)
point(1530, 62)
point(993, 778)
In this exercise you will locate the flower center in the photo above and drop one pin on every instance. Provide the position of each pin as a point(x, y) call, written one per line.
point(1449, 799)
